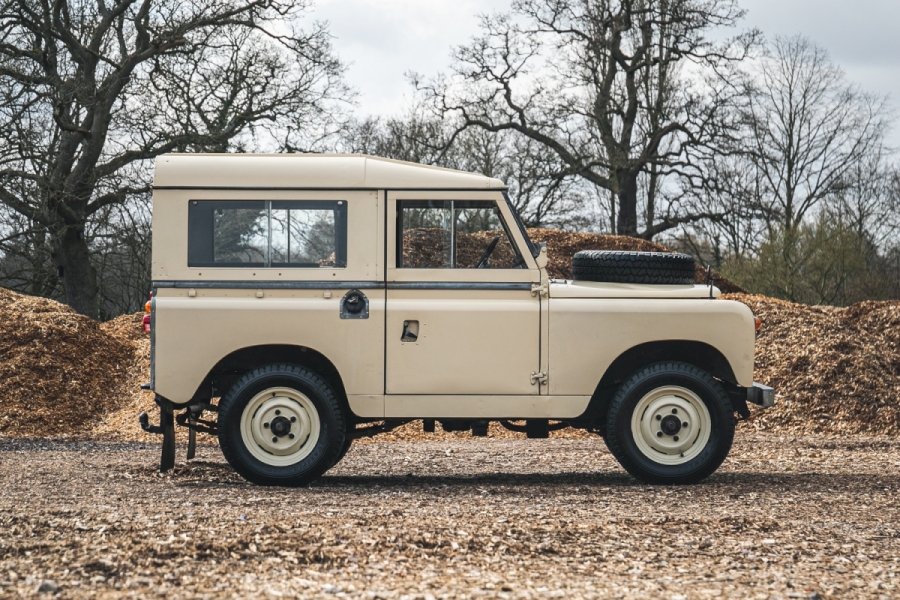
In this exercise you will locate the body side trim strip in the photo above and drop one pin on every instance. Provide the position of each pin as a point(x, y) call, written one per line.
point(450, 285)
point(321, 189)
point(271, 285)
point(360, 285)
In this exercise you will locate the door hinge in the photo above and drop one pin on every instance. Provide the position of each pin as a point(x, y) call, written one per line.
point(539, 289)
point(538, 378)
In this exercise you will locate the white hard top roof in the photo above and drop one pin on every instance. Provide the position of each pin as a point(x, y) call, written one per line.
point(317, 171)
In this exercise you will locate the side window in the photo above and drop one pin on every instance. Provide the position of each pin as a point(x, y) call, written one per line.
point(280, 233)
point(453, 234)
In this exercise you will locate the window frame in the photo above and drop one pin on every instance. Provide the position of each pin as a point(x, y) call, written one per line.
point(453, 205)
point(201, 232)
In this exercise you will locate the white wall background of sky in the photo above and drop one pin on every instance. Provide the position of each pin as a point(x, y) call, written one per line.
point(383, 39)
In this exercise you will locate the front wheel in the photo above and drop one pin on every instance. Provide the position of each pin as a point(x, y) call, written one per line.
point(670, 423)
point(281, 425)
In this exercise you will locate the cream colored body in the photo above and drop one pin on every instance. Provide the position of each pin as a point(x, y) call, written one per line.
point(492, 343)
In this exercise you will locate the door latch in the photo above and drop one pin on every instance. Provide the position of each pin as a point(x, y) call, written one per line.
point(539, 289)
point(410, 331)
point(538, 378)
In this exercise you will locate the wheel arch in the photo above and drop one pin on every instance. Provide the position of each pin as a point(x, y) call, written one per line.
point(233, 366)
point(692, 352)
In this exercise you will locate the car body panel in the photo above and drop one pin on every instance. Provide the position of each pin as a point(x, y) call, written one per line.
point(493, 343)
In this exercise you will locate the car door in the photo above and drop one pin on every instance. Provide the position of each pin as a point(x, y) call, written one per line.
point(461, 317)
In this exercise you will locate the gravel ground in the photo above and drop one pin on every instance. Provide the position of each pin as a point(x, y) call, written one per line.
point(784, 517)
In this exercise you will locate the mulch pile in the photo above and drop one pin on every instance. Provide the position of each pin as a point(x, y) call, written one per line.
point(834, 369)
point(59, 371)
point(562, 246)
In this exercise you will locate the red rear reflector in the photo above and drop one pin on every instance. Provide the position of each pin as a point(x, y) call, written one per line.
point(146, 322)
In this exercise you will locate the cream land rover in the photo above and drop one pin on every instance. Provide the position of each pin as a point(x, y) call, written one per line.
point(305, 301)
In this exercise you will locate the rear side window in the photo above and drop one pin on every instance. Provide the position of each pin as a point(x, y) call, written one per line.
point(258, 233)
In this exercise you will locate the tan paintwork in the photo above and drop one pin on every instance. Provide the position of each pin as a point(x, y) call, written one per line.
point(486, 407)
point(170, 237)
point(593, 289)
point(470, 342)
point(477, 348)
point(194, 333)
point(587, 335)
point(309, 171)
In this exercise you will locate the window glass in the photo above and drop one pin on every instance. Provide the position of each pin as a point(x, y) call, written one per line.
point(240, 235)
point(305, 234)
point(303, 237)
point(454, 235)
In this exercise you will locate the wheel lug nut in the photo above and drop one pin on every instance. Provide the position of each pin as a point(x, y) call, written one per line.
point(674, 411)
point(266, 425)
point(659, 434)
point(291, 435)
point(274, 440)
point(293, 419)
point(278, 412)
point(684, 423)
point(675, 438)
point(659, 417)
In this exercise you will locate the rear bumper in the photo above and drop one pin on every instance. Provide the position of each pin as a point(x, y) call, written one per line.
point(761, 395)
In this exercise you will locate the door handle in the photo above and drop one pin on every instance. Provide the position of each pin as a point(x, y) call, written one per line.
point(410, 331)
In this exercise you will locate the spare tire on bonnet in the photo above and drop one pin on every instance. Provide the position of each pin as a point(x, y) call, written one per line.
point(633, 267)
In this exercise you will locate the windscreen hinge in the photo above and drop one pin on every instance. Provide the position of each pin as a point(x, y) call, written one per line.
point(539, 378)
point(539, 289)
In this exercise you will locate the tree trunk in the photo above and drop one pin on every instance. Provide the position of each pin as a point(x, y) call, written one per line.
point(72, 259)
point(626, 222)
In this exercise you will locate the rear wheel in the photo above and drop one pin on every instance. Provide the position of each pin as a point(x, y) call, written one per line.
point(670, 423)
point(281, 425)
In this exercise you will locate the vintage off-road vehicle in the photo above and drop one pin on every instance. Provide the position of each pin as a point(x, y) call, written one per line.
point(309, 300)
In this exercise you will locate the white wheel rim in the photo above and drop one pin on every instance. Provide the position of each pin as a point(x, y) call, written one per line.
point(280, 426)
point(653, 425)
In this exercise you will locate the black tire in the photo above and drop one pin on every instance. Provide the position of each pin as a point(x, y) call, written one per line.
point(307, 386)
point(701, 458)
point(633, 267)
point(346, 448)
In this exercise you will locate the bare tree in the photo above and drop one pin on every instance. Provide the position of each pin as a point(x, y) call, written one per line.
point(808, 129)
point(606, 86)
point(540, 191)
point(93, 89)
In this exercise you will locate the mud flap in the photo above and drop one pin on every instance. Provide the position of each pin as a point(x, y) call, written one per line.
point(166, 427)
point(192, 444)
point(167, 422)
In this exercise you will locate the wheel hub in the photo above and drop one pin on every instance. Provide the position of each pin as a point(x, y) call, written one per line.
point(281, 426)
point(670, 425)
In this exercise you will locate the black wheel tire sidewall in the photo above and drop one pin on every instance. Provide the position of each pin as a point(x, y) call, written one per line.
point(314, 464)
point(702, 465)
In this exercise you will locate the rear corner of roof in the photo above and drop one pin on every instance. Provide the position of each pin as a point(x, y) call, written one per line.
point(299, 171)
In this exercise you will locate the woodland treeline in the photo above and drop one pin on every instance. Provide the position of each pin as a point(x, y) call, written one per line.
point(661, 119)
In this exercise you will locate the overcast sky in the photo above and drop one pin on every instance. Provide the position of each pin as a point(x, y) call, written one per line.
point(383, 39)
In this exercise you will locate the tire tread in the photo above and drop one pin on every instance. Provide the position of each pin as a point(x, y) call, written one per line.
point(333, 450)
point(633, 267)
point(616, 444)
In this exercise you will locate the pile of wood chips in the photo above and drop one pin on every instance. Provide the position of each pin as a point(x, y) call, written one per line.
point(834, 369)
point(59, 371)
point(562, 246)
